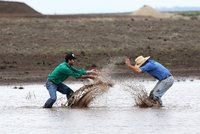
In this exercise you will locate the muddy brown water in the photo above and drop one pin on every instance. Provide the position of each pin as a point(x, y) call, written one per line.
point(21, 111)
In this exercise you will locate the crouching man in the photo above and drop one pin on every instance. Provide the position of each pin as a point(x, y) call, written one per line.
point(156, 70)
point(56, 78)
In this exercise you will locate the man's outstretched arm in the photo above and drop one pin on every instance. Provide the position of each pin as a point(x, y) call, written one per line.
point(131, 67)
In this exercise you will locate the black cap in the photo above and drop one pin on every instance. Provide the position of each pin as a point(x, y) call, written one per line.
point(70, 56)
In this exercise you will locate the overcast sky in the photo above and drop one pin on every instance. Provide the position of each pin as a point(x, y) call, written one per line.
point(102, 6)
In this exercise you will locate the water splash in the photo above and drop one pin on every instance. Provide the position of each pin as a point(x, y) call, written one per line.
point(83, 96)
point(107, 70)
point(139, 94)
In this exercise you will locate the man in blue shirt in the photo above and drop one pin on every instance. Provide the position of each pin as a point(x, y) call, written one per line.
point(156, 70)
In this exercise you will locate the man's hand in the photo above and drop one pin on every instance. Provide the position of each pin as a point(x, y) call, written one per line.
point(93, 72)
point(131, 67)
point(127, 61)
point(88, 76)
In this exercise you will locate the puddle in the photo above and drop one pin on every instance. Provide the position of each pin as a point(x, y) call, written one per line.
point(113, 112)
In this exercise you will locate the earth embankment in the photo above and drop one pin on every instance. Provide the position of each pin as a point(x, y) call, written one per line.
point(10, 9)
point(31, 47)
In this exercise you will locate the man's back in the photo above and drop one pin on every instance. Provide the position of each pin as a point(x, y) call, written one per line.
point(155, 69)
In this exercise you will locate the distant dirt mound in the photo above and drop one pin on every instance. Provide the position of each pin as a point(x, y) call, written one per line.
point(151, 12)
point(16, 8)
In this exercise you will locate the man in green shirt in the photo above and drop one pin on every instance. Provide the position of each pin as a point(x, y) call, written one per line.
point(60, 74)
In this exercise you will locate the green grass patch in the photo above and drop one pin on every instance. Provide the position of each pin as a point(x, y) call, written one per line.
point(190, 13)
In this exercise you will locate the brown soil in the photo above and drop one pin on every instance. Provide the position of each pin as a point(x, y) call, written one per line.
point(32, 46)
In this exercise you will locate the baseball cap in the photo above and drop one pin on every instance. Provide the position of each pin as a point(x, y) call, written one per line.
point(70, 56)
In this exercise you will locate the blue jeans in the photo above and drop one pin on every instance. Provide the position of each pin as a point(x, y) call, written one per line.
point(160, 89)
point(52, 88)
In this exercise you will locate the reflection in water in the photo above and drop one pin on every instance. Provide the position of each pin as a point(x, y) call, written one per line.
point(113, 112)
point(30, 95)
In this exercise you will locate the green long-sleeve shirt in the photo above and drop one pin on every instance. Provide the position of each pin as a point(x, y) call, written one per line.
point(63, 71)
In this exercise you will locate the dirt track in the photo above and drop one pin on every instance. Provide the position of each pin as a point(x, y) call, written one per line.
point(31, 47)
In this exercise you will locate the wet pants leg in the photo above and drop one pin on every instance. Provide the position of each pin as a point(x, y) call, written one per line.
point(62, 88)
point(160, 89)
point(52, 88)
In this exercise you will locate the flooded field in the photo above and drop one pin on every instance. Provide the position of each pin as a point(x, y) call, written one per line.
point(21, 111)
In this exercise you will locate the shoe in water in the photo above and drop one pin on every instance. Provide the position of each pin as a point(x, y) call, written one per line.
point(156, 102)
